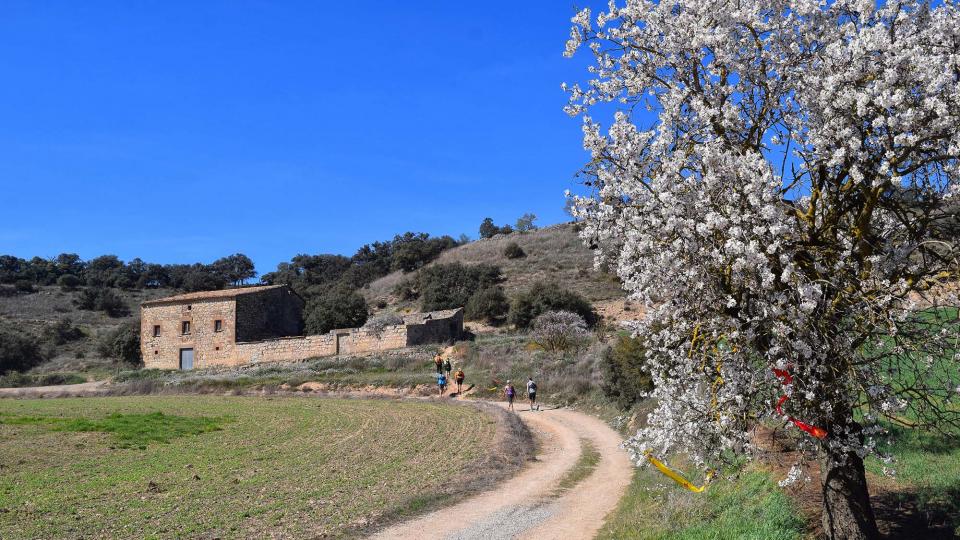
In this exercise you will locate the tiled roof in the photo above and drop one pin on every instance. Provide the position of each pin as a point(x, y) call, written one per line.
point(206, 295)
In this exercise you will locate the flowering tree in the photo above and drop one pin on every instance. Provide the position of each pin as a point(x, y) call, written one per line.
point(786, 215)
point(559, 330)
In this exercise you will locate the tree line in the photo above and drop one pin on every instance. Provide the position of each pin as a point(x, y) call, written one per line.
point(107, 271)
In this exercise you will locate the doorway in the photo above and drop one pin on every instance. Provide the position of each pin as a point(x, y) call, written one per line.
point(186, 359)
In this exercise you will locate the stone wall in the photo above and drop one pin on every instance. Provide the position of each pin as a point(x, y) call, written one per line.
point(436, 330)
point(346, 341)
point(265, 315)
point(272, 313)
point(210, 348)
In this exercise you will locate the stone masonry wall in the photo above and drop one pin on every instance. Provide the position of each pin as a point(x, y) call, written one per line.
point(347, 341)
point(436, 330)
point(210, 348)
point(269, 314)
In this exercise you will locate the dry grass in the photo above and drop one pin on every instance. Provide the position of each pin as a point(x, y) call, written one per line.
point(554, 254)
point(32, 312)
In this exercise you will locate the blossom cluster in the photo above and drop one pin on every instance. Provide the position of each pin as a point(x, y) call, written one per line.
point(787, 209)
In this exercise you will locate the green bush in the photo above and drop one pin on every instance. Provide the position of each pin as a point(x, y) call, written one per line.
point(489, 304)
point(101, 299)
point(69, 282)
point(514, 251)
point(24, 286)
point(449, 286)
point(544, 297)
point(338, 308)
point(61, 332)
point(18, 351)
point(625, 377)
point(123, 344)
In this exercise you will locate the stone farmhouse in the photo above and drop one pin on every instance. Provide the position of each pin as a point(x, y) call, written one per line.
point(265, 324)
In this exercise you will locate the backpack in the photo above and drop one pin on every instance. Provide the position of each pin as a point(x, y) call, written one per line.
point(532, 387)
point(510, 390)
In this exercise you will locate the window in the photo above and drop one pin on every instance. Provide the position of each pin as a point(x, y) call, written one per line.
point(185, 328)
point(218, 325)
point(156, 330)
point(189, 307)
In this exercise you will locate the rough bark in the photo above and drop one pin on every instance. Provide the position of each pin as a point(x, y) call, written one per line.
point(847, 513)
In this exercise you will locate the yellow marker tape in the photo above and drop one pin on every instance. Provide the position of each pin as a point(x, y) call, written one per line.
point(676, 477)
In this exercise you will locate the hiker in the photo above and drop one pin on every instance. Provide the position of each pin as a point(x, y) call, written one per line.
point(442, 382)
point(532, 393)
point(459, 376)
point(438, 360)
point(447, 367)
point(510, 391)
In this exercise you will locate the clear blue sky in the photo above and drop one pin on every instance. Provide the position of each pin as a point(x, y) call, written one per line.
point(185, 131)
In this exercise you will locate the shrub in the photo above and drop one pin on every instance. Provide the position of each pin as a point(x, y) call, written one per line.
point(69, 282)
point(543, 297)
point(122, 344)
point(18, 351)
point(337, 308)
point(449, 286)
point(61, 332)
point(625, 377)
point(489, 304)
point(514, 251)
point(105, 300)
point(24, 286)
point(378, 323)
point(560, 331)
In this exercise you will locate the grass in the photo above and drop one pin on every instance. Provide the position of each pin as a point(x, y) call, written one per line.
point(231, 467)
point(554, 254)
point(748, 507)
point(588, 461)
point(129, 430)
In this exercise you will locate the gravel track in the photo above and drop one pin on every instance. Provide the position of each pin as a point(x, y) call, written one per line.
point(522, 506)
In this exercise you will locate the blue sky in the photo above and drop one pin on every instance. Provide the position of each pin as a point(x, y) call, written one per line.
point(185, 131)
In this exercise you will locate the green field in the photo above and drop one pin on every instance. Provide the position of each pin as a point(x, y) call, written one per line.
point(205, 466)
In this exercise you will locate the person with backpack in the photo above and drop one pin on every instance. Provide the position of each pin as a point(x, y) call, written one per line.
point(532, 393)
point(442, 382)
point(459, 376)
point(510, 391)
point(447, 367)
point(438, 361)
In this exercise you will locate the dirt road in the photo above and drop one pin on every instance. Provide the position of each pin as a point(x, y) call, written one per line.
point(95, 388)
point(522, 506)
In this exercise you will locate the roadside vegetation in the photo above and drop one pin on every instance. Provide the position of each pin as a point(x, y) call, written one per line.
point(238, 467)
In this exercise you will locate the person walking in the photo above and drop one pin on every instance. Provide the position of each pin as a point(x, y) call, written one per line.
point(442, 382)
point(510, 392)
point(532, 393)
point(447, 367)
point(459, 376)
point(438, 361)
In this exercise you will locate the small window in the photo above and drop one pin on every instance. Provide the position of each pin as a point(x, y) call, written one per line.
point(156, 330)
point(218, 325)
point(156, 352)
point(185, 328)
point(189, 307)
point(217, 348)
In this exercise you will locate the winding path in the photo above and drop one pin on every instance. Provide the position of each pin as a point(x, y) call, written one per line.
point(523, 506)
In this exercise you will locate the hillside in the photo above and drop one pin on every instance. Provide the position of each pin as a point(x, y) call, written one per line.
point(554, 254)
point(35, 312)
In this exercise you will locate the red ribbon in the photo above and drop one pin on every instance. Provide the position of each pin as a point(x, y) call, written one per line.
point(812, 430)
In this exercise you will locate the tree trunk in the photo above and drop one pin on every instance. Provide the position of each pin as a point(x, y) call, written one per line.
point(847, 514)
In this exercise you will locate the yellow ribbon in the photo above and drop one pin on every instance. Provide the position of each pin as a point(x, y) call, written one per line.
point(676, 477)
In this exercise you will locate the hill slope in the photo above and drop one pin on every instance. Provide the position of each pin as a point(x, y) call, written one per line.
point(554, 254)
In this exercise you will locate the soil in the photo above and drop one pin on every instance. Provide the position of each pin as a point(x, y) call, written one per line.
point(523, 506)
